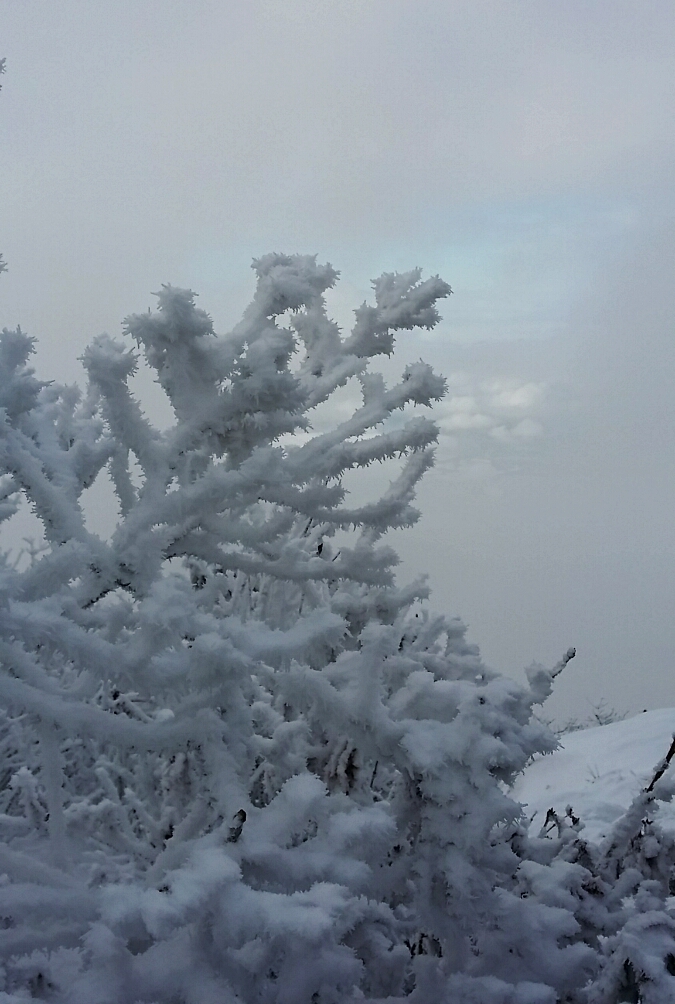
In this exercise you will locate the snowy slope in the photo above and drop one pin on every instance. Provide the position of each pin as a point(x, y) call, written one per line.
point(598, 772)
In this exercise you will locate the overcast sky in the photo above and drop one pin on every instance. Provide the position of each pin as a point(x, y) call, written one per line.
point(524, 150)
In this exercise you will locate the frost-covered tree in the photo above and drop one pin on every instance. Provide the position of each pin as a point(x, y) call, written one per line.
point(241, 763)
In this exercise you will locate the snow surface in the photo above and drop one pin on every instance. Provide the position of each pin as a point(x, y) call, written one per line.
point(598, 772)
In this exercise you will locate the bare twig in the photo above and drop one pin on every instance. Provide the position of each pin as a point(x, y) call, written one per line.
point(662, 767)
point(559, 666)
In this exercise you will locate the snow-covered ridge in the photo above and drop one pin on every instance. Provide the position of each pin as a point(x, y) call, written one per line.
point(598, 771)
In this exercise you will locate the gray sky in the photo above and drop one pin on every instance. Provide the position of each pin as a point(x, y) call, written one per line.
point(523, 150)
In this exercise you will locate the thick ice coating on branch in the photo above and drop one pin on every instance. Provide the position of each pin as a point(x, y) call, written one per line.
point(402, 301)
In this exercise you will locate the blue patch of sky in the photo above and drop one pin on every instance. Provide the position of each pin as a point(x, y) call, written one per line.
point(517, 268)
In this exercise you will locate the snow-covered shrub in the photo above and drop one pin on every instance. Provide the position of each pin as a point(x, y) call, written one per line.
point(241, 762)
point(620, 891)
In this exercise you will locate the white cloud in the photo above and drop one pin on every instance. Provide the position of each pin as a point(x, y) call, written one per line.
point(508, 394)
point(505, 408)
